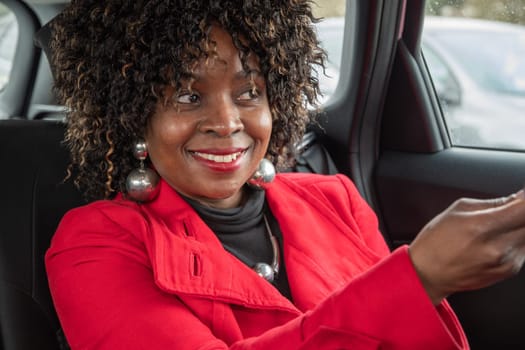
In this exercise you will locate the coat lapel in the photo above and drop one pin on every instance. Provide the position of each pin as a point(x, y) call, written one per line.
point(321, 251)
point(187, 258)
point(320, 248)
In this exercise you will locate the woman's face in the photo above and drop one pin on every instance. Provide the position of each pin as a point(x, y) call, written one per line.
point(208, 144)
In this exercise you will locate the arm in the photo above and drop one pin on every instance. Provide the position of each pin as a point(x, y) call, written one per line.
point(392, 285)
point(104, 293)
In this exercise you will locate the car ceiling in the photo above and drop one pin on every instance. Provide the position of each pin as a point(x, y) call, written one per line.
point(45, 2)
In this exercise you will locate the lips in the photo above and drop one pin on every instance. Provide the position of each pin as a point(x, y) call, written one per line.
point(218, 158)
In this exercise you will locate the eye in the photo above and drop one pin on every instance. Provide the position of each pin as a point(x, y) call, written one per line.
point(187, 98)
point(249, 95)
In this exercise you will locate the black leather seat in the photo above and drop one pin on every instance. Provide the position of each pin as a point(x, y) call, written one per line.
point(34, 198)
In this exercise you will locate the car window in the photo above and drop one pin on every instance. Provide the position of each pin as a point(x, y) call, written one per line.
point(330, 31)
point(8, 38)
point(443, 78)
point(474, 52)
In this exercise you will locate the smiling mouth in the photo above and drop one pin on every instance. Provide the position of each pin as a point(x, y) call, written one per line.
point(219, 158)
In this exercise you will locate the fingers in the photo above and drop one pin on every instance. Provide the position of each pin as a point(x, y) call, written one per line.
point(472, 204)
point(510, 264)
point(507, 217)
point(472, 244)
point(492, 216)
point(512, 251)
point(518, 262)
point(503, 257)
point(513, 260)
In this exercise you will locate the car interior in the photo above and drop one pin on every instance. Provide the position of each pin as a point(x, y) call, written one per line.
point(383, 128)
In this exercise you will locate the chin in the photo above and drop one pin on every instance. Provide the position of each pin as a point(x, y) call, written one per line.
point(223, 196)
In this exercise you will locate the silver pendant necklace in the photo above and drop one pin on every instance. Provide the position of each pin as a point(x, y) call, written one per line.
point(266, 271)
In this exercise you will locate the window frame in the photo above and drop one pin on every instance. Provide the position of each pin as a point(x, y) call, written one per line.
point(16, 95)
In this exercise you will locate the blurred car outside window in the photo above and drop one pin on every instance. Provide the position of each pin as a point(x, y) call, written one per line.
point(475, 51)
point(8, 40)
point(330, 32)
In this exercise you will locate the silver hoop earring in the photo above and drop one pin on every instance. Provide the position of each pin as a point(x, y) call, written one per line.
point(142, 183)
point(264, 174)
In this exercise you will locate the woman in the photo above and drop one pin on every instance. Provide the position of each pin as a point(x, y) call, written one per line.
point(210, 254)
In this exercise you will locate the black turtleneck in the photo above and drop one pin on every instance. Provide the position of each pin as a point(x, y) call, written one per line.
point(243, 233)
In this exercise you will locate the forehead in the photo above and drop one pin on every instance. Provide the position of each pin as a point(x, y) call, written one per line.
point(223, 54)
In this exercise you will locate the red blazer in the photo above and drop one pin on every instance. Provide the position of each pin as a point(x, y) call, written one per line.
point(153, 276)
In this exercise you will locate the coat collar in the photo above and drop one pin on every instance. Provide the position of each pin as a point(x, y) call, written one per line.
point(188, 259)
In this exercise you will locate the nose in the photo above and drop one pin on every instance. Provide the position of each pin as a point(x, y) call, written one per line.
point(222, 118)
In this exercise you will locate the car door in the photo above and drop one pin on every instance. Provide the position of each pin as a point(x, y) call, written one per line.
point(386, 129)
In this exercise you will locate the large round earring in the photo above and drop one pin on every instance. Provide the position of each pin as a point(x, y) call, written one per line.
point(142, 183)
point(264, 174)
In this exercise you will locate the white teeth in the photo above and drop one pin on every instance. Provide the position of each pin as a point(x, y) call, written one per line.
point(228, 158)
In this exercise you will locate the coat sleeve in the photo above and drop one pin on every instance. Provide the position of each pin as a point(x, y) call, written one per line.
point(103, 290)
point(361, 316)
point(387, 302)
point(391, 292)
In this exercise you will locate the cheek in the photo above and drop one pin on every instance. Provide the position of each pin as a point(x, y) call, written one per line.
point(162, 139)
point(265, 127)
point(163, 132)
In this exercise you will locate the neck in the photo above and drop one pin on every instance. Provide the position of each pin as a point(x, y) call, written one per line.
point(233, 201)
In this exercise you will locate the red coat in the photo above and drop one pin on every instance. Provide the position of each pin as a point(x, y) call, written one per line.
point(153, 276)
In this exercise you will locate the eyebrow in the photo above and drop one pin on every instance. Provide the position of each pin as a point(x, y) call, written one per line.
point(252, 72)
point(242, 74)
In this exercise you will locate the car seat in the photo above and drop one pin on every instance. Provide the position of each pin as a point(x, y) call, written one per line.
point(34, 199)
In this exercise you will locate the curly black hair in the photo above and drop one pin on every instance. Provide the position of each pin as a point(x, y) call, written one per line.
point(113, 60)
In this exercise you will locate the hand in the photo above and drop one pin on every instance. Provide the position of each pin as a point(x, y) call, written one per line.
point(472, 244)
